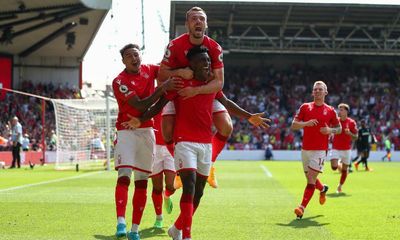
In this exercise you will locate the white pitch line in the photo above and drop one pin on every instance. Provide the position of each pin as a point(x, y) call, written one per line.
point(47, 182)
point(266, 171)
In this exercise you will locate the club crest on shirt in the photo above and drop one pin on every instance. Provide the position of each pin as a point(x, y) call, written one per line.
point(180, 163)
point(145, 75)
point(325, 112)
point(119, 159)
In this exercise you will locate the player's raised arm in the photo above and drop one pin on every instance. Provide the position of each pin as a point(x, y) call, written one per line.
point(255, 119)
point(167, 72)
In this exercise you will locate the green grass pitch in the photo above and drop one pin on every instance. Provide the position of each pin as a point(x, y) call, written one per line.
point(249, 204)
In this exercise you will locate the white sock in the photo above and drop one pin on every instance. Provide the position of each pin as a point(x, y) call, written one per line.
point(121, 220)
point(135, 228)
point(159, 217)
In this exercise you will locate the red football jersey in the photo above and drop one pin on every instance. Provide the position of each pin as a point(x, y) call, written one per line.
point(175, 54)
point(343, 141)
point(313, 139)
point(127, 85)
point(193, 119)
point(157, 129)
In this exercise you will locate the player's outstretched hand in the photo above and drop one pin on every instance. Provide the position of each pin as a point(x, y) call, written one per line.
point(132, 124)
point(311, 123)
point(173, 84)
point(186, 73)
point(325, 130)
point(257, 120)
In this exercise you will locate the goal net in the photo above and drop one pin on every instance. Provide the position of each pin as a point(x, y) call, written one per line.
point(85, 129)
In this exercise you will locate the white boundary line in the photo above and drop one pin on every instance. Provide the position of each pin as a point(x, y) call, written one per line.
point(47, 182)
point(266, 171)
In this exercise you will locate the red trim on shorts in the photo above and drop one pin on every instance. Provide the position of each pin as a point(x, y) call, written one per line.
point(201, 175)
point(163, 171)
point(222, 111)
point(168, 114)
point(168, 170)
point(133, 168)
point(314, 169)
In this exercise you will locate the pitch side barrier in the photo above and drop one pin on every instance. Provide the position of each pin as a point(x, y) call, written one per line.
point(287, 155)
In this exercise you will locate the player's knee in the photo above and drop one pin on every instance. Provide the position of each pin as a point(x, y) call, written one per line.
point(124, 180)
point(157, 190)
point(334, 167)
point(139, 175)
point(124, 172)
point(141, 184)
point(170, 187)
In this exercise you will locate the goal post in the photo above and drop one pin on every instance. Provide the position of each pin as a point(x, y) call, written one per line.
point(84, 128)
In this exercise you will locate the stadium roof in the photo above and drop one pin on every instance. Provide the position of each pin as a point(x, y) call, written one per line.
point(48, 28)
point(283, 27)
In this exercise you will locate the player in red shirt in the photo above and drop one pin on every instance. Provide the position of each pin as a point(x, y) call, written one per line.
point(175, 64)
point(193, 136)
point(318, 120)
point(135, 92)
point(342, 142)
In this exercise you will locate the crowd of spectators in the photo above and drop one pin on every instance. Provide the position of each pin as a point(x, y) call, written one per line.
point(371, 92)
point(29, 112)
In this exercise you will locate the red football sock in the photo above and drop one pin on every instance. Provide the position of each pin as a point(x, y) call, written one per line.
point(308, 193)
point(218, 143)
point(157, 201)
point(168, 193)
point(179, 221)
point(121, 195)
point(139, 200)
point(318, 185)
point(343, 177)
point(186, 205)
point(171, 147)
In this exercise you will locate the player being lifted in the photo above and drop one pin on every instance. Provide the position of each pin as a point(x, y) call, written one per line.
point(342, 142)
point(175, 64)
point(316, 118)
point(134, 149)
point(192, 133)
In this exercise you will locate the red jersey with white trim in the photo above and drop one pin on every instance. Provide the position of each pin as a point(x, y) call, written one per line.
point(127, 85)
point(313, 139)
point(343, 141)
point(193, 117)
point(157, 129)
point(175, 54)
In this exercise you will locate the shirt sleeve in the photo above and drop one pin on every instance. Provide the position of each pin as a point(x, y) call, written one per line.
point(169, 58)
point(122, 91)
point(300, 114)
point(219, 94)
point(334, 120)
point(353, 127)
point(216, 56)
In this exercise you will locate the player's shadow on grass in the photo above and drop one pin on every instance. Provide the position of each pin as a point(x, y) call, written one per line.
point(304, 222)
point(336, 195)
point(151, 232)
point(102, 237)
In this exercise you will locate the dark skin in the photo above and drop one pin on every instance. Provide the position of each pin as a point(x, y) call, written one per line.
point(132, 60)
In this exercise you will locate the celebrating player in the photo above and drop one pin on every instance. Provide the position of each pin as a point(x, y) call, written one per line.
point(193, 135)
point(134, 149)
point(342, 144)
point(175, 64)
point(316, 118)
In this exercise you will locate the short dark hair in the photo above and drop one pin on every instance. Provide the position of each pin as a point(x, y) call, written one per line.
point(196, 50)
point(128, 46)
